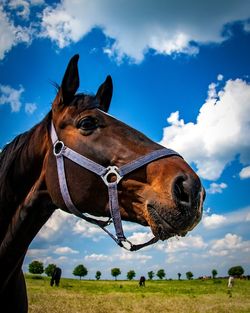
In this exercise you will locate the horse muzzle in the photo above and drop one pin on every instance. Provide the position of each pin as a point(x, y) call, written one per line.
point(182, 214)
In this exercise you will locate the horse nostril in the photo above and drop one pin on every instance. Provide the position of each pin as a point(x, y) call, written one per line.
point(186, 189)
point(180, 190)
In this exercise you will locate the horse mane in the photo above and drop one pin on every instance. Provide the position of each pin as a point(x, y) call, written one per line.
point(80, 99)
point(10, 154)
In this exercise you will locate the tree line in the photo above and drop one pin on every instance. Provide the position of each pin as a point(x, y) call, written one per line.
point(37, 267)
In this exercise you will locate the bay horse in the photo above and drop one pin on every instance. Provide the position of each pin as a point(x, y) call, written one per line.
point(68, 160)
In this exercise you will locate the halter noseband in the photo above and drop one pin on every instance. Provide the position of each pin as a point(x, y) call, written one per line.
point(60, 151)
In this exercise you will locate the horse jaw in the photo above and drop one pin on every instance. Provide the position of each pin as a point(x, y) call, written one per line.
point(156, 207)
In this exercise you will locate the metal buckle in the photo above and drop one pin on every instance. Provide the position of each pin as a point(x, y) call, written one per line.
point(126, 244)
point(58, 148)
point(111, 170)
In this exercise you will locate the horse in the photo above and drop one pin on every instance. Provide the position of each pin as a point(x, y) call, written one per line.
point(81, 159)
point(142, 281)
point(56, 276)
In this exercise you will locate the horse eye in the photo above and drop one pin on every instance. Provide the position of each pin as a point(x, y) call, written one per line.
point(88, 123)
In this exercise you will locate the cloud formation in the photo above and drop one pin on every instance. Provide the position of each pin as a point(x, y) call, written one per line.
point(245, 172)
point(183, 244)
point(215, 221)
point(11, 96)
point(65, 250)
point(12, 34)
point(30, 107)
point(216, 188)
point(220, 132)
point(56, 226)
point(131, 29)
point(168, 27)
point(228, 245)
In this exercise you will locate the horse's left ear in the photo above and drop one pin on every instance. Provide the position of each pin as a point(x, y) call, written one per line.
point(70, 83)
point(104, 94)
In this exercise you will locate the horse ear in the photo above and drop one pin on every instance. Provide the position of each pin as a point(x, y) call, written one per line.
point(104, 94)
point(70, 82)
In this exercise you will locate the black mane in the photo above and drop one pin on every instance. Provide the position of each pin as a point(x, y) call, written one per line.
point(10, 154)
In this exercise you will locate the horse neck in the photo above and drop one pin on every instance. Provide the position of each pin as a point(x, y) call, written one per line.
point(20, 166)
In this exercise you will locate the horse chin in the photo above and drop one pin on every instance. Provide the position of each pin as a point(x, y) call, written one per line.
point(161, 226)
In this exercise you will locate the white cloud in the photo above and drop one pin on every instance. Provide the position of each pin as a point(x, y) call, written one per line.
point(22, 7)
point(216, 188)
point(132, 227)
point(30, 107)
point(220, 132)
point(37, 252)
point(55, 226)
point(213, 221)
point(65, 250)
point(245, 172)
point(87, 230)
point(182, 244)
point(128, 256)
point(220, 77)
point(11, 35)
point(11, 96)
point(228, 245)
point(135, 27)
point(97, 257)
point(140, 237)
point(7, 34)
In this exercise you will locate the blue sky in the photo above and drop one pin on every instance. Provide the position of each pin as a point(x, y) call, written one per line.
point(181, 75)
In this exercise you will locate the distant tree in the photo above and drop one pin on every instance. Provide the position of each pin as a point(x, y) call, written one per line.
point(214, 273)
point(98, 275)
point(80, 270)
point(189, 275)
point(179, 276)
point(36, 267)
point(151, 274)
point(50, 269)
point(161, 273)
point(115, 272)
point(130, 275)
point(236, 271)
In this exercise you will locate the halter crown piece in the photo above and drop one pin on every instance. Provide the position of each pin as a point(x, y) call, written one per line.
point(60, 151)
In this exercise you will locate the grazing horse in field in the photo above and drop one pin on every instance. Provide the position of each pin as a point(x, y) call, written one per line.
point(142, 281)
point(56, 276)
point(82, 160)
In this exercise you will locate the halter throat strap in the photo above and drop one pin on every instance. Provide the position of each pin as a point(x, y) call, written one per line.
point(60, 151)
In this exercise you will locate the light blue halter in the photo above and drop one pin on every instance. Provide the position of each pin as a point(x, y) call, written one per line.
point(60, 151)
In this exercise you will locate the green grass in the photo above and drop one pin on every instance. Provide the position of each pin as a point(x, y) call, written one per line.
point(195, 296)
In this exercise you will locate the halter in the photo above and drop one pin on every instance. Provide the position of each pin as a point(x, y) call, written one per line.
point(60, 151)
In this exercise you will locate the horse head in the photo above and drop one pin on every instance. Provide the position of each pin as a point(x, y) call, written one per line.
point(165, 194)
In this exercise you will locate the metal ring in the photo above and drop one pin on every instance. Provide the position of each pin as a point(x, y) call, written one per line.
point(111, 170)
point(129, 244)
point(58, 148)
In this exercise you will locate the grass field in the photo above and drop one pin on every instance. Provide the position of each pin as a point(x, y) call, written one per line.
point(195, 296)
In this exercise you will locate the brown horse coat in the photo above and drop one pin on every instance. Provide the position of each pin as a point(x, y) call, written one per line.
point(165, 194)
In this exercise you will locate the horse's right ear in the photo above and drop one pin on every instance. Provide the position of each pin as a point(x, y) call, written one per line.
point(70, 83)
point(104, 94)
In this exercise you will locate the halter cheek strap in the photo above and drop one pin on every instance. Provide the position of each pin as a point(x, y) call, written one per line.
point(60, 151)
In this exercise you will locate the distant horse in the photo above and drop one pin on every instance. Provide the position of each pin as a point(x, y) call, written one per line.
point(56, 276)
point(142, 281)
point(81, 159)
